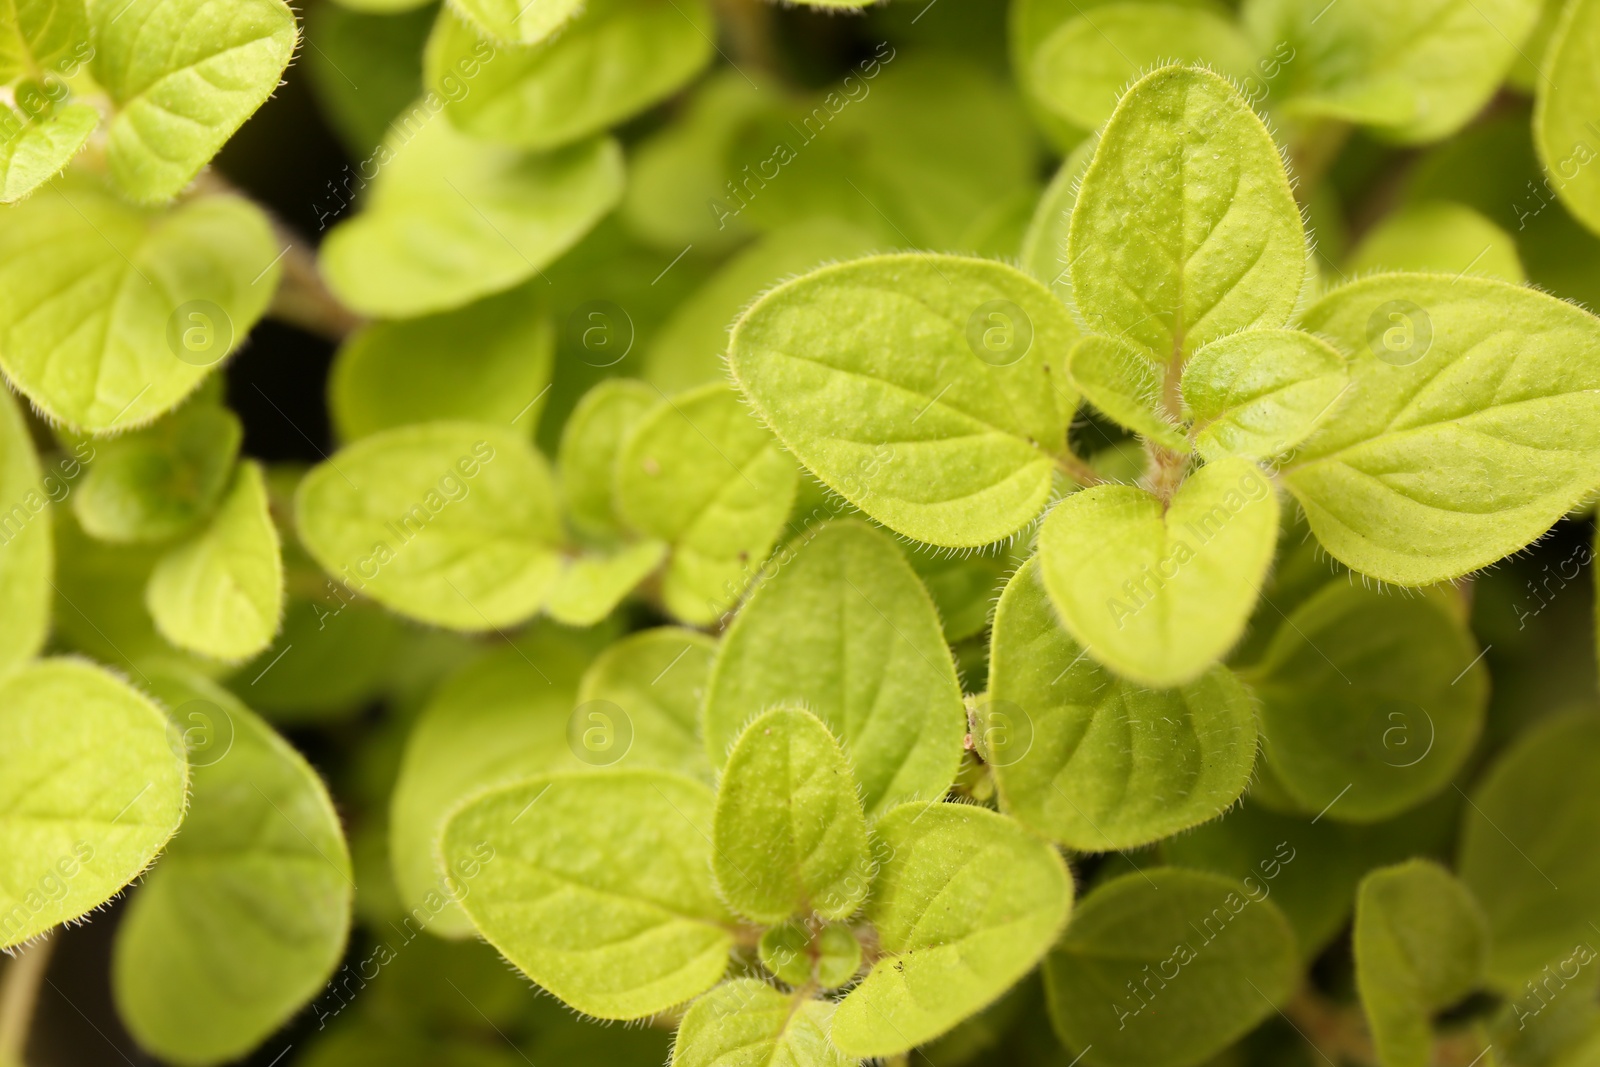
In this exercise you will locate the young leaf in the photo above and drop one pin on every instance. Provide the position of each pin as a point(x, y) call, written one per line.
point(176, 105)
point(34, 149)
point(157, 483)
point(220, 593)
point(589, 587)
point(590, 440)
point(1125, 383)
point(26, 549)
point(1259, 393)
point(1372, 701)
point(789, 837)
point(487, 362)
point(1525, 848)
point(1568, 93)
point(1185, 229)
point(92, 786)
point(1471, 425)
point(1420, 945)
point(965, 904)
point(616, 58)
point(747, 1023)
point(598, 887)
point(1440, 237)
point(1159, 592)
point(879, 374)
point(657, 678)
point(39, 34)
point(451, 219)
point(1096, 762)
point(519, 21)
point(1209, 957)
point(845, 629)
point(453, 523)
point(700, 474)
point(246, 915)
point(110, 314)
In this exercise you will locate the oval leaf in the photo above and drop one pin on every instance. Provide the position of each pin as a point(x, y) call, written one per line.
point(747, 1023)
point(1257, 394)
point(657, 678)
point(1125, 383)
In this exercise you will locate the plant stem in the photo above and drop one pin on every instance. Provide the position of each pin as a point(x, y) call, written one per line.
point(19, 992)
point(1076, 469)
point(748, 26)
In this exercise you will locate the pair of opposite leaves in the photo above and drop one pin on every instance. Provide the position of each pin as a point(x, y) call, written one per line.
point(1416, 460)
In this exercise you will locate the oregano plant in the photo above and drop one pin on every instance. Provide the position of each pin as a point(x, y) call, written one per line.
point(841, 532)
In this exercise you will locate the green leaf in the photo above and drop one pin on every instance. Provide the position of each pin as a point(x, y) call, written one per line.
point(700, 474)
point(39, 34)
point(1259, 393)
point(844, 628)
point(489, 361)
point(1525, 848)
point(1441, 237)
point(364, 68)
point(26, 549)
point(657, 679)
point(616, 58)
point(1209, 957)
point(1568, 93)
point(591, 438)
point(1369, 703)
point(1125, 383)
point(110, 315)
point(451, 523)
point(498, 719)
point(964, 587)
point(789, 837)
point(246, 915)
point(1471, 426)
point(965, 904)
point(451, 219)
point(1084, 65)
point(1095, 762)
point(598, 887)
point(1420, 945)
point(926, 390)
point(220, 593)
point(1158, 592)
point(1185, 228)
point(747, 1023)
point(689, 348)
point(590, 587)
point(156, 483)
point(176, 105)
point(1044, 245)
point(34, 149)
point(330, 658)
point(91, 787)
point(799, 953)
point(520, 21)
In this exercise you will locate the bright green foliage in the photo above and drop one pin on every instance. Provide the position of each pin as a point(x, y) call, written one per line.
point(328, 659)
point(1095, 762)
point(34, 150)
point(1470, 425)
point(590, 441)
point(1525, 853)
point(789, 836)
point(494, 721)
point(1420, 944)
point(965, 903)
point(175, 106)
point(1124, 382)
point(799, 953)
point(520, 21)
point(26, 556)
point(1044, 245)
point(1259, 393)
point(963, 588)
point(451, 219)
point(1568, 95)
point(658, 678)
point(157, 483)
point(1373, 699)
point(247, 914)
point(589, 587)
point(1159, 592)
point(617, 57)
point(366, 68)
point(110, 314)
point(91, 788)
point(619, 939)
point(38, 34)
point(1165, 967)
point(489, 361)
point(1185, 228)
point(747, 1023)
point(879, 373)
point(847, 631)
point(1439, 236)
point(453, 523)
point(700, 474)
point(220, 593)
